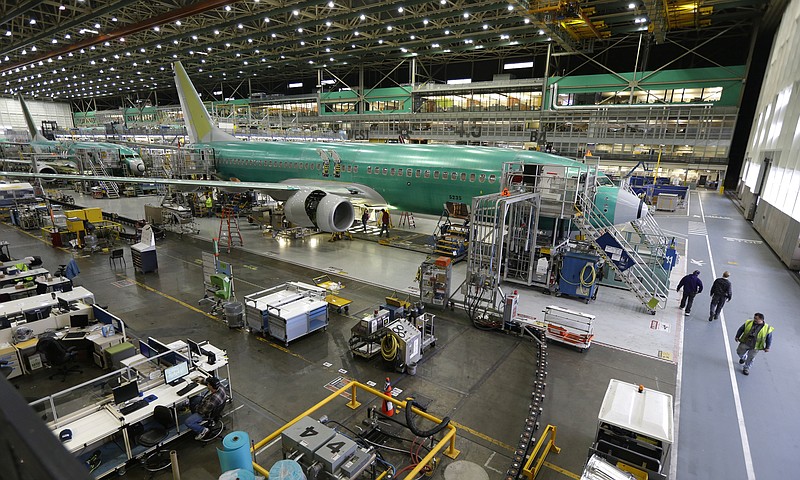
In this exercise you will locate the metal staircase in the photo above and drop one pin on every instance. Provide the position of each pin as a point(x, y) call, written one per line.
point(229, 229)
point(642, 278)
point(99, 170)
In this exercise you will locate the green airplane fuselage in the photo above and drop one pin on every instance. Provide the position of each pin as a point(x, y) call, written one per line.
point(409, 177)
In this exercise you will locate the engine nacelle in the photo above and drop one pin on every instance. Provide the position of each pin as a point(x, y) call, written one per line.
point(315, 208)
point(48, 170)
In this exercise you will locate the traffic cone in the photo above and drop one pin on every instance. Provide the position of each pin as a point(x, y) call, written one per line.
point(388, 407)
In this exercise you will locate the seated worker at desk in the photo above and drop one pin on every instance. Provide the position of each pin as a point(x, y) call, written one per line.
point(202, 405)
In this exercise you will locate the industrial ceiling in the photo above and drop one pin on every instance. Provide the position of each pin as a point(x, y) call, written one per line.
point(75, 50)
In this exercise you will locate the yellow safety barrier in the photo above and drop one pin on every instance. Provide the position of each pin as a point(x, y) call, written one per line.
point(539, 453)
point(449, 437)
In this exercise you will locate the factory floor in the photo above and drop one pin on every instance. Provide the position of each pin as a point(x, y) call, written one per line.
point(727, 425)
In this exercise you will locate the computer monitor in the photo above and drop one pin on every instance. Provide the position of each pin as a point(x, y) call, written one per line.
point(79, 321)
point(194, 347)
point(35, 314)
point(145, 349)
point(156, 345)
point(126, 392)
point(63, 305)
point(175, 373)
point(5, 322)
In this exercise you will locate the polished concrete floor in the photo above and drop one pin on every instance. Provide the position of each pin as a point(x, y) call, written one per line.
point(726, 422)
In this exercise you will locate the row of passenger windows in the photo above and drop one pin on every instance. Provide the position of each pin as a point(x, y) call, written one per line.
point(393, 172)
point(399, 172)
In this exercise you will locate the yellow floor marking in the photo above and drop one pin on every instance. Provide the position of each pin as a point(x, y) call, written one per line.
point(562, 471)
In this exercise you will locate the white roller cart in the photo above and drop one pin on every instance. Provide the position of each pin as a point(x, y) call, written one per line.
point(569, 327)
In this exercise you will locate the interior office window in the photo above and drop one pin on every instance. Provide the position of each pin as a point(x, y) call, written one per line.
point(408, 172)
point(464, 177)
point(471, 177)
point(436, 174)
point(445, 175)
point(427, 174)
point(492, 178)
point(417, 173)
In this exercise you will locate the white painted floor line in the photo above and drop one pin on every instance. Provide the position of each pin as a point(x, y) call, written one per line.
point(273, 442)
point(748, 458)
point(675, 234)
point(673, 462)
point(486, 465)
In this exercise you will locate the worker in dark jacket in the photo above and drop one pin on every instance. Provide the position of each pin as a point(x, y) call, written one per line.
point(691, 286)
point(753, 335)
point(721, 291)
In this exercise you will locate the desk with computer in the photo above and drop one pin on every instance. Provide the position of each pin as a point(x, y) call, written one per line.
point(97, 412)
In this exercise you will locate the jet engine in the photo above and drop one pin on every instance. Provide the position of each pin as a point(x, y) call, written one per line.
point(315, 208)
point(47, 169)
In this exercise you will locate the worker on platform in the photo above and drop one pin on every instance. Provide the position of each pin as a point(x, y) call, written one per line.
point(721, 291)
point(691, 286)
point(753, 336)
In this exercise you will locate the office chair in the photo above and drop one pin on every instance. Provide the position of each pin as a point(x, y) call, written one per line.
point(118, 254)
point(41, 288)
point(220, 292)
point(214, 423)
point(58, 356)
point(163, 421)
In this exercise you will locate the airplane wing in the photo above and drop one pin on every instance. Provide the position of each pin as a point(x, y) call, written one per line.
point(163, 146)
point(279, 189)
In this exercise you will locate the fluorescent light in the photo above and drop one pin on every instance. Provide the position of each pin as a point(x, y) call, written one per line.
point(328, 82)
point(296, 85)
point(515, 66)
point(459, 81)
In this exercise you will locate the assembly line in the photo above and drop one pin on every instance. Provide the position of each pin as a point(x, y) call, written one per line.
point(337, 267)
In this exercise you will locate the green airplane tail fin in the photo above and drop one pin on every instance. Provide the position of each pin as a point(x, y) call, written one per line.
point(36, 136)
point(198, 123)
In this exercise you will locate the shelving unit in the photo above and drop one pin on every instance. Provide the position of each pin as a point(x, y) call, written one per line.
point(434, 281)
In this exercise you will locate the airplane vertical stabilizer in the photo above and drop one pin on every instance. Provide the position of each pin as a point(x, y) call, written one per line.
point(198, 123)
point(36, 136)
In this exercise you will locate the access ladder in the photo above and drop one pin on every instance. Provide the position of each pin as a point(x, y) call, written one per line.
point(229, 229)
point(407, 218)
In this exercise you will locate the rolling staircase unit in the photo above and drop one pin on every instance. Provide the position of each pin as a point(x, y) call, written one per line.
point(642, 278)
point(99, 170)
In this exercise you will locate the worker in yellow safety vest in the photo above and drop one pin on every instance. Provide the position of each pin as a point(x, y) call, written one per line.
point(209, 204)
point(753, 336)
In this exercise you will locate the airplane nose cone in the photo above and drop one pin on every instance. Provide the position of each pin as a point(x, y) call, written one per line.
point(629, 207)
